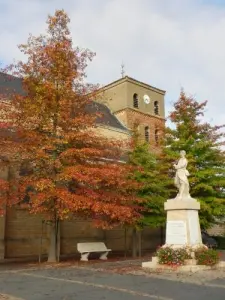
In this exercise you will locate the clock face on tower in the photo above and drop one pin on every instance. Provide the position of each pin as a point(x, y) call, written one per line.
point(146, 99)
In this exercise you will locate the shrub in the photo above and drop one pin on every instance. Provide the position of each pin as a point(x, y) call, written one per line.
point(208, 257)
point(172, 257)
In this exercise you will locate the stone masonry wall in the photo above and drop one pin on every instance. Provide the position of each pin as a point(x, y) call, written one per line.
point(23, 234)
point(24, 231)
point(217, 230)
point(132, 117)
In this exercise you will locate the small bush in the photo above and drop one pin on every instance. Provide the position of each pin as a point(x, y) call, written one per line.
point(172, 257)
point(208, 257)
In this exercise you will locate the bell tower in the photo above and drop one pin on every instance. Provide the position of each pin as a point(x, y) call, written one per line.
point(138, 104)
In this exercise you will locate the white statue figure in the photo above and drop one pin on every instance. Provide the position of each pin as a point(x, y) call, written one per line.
point(181, 178)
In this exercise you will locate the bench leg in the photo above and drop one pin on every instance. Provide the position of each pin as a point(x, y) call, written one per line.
point(103, 256)
point(84, 256)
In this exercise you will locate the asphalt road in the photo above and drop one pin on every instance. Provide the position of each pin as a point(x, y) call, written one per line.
point(81, 284)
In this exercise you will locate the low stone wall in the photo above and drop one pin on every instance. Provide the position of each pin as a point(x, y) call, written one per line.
point(23, 233)
point(26, 235)
point(217, 230)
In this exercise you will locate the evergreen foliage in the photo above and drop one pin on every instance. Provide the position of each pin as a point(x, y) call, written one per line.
point(203, 143)
point(153, 184)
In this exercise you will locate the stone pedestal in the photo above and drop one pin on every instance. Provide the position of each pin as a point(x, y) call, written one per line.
point(182, 227)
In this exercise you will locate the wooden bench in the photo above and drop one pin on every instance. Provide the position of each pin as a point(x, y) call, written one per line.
point(86, 248)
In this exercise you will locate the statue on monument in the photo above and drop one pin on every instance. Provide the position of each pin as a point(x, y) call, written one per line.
point(181, 177)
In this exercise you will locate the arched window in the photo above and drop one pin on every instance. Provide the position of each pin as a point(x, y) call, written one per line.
point(146, 133)
point(135, 100)
point(156, 107)
point(156, 136)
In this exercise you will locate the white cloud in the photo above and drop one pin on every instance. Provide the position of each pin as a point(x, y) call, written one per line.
point(168, 44)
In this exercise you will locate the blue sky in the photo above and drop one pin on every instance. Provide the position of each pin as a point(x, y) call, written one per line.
point(166, 43)
point(214, 2)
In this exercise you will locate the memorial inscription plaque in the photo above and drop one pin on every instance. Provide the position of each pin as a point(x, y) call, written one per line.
point(176, 233)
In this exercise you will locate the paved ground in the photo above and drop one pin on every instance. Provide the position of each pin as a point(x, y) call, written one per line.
point(109, 281)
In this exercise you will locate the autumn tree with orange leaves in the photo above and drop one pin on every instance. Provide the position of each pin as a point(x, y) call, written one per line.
point(66, 173)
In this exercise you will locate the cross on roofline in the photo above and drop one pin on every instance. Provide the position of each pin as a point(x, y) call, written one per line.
point(122, 70)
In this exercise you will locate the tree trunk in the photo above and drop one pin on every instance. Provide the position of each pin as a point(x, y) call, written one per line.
point(54, 241)
point(139, 243)
point(125, 242)
point(134, 242)
point(41, 240)
point(58, 243)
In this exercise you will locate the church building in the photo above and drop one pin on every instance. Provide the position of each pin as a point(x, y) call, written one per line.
point(125, 104)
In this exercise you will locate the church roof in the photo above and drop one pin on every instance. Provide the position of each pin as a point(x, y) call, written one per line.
point(11, 84)
point(106, 117)
point(132, 80)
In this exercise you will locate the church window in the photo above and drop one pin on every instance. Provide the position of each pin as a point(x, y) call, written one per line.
point(156, 107)
point(146, 133)
point(156, 136)
point(135, 101)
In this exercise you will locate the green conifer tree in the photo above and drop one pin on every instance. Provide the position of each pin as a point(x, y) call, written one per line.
point(153, 183)
point(203, 143)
